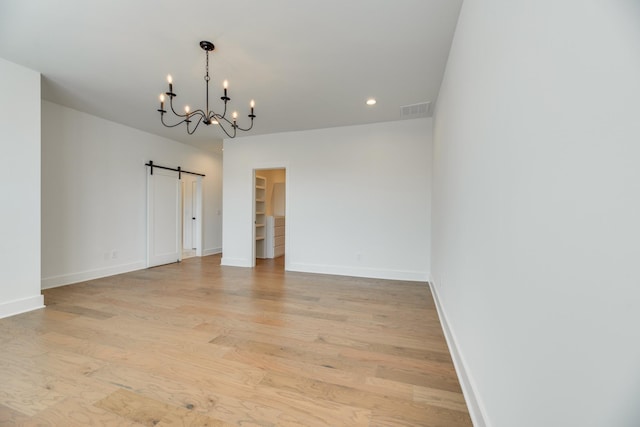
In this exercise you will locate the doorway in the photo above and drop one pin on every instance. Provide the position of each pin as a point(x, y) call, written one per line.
point(269, 241)
point(174, 215)
point(191, 216)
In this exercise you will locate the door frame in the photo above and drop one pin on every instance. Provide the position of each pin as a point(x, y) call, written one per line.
point(199, 217)
point(287, 209)
point(197, 212)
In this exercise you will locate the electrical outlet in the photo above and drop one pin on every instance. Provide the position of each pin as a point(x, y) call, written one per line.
point(114, 254)
point(358, 256)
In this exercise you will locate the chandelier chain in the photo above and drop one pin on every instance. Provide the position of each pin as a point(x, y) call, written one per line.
point(206, 77)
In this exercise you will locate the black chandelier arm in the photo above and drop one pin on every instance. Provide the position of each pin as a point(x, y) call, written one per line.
point(170, 126)
point(171, 105)
point(197, 112)
point(224, 113)
point(231, 123)
point(201, 115)
point(246, 129)
point(236, 126)
point(173, 110)
point(215, 116)
point(220, 119)
point(228, 134)
point(196, 127)
point(188, 115)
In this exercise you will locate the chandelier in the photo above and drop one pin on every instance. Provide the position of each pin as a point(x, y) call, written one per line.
point(206, 116)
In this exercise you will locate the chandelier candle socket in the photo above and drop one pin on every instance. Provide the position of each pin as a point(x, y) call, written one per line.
point(206, 116)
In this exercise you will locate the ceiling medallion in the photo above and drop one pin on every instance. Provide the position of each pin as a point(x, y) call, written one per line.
point(206, 116)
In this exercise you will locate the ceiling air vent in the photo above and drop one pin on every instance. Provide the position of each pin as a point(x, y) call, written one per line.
point(415, 111)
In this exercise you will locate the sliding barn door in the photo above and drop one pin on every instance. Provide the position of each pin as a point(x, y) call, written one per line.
point(164, 217)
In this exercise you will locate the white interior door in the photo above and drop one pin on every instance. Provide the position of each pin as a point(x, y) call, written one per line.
point(164, 217)
point(190, 215)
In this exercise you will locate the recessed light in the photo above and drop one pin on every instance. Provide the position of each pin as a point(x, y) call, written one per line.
point(371, 101)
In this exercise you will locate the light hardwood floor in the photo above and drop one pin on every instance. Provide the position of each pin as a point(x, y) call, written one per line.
point(197, 344)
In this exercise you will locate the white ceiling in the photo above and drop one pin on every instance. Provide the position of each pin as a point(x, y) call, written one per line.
point(308, 64)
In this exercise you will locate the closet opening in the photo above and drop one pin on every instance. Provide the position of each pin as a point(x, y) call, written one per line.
point(269, 217)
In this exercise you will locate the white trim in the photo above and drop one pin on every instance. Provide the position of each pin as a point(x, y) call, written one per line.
point(199, 217)
point(67, 279)
point(19, 306)
point(253, 214)
point(476, 408)
point(235, 262)
point(212, 251)
point(372, 273)
point(188, 253)
point(288, 248)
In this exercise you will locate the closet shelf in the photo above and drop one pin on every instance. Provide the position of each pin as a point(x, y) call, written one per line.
point(259, 219)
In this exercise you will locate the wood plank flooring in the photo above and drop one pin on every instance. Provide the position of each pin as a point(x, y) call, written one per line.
point(197, 344)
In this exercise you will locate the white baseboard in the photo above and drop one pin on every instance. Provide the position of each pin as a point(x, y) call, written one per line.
point(186, 254)
point(235, 262)
point(67, 279)
point(213, 251)
point(371, 273)
point(11, 308)
point(474, 404)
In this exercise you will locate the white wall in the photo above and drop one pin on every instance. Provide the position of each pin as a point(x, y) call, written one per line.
point(351, 190)
point(20, 184)
point(536, 218)
point(94, 194)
